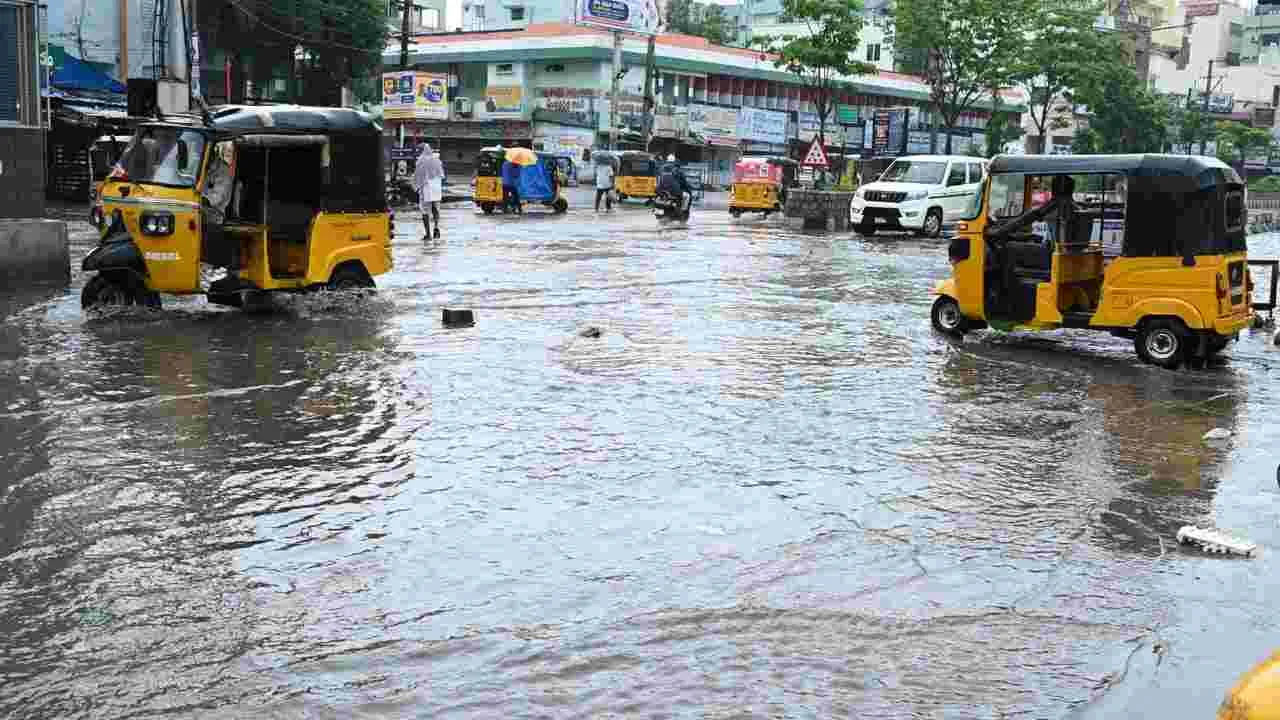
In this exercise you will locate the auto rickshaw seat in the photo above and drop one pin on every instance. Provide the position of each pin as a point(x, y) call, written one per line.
point(1030, 259)
point(290, 221)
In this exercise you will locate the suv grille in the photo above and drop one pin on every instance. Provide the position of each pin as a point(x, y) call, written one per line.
point(885, 196)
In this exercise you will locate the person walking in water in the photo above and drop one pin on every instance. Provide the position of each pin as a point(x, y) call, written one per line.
point(428, 180)
point(604, 181)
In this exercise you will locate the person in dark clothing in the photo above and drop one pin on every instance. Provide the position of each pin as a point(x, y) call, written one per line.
point(671, 181)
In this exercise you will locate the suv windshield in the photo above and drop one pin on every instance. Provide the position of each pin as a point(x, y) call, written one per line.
point(164, 156)
point(915, 171)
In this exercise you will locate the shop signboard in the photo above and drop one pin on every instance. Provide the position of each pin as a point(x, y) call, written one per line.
point(889, 135)
point(503, 101)
point(716, 125)
point(565, 100)
point(847, 114)
point(635, 16)
point(498, 130)
point(671, 122)
point(764, 126)
point(1200, 8)
point(415, 96)
point(919, 142)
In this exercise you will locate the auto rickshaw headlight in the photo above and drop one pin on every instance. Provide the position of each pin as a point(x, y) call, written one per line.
point(160, 223)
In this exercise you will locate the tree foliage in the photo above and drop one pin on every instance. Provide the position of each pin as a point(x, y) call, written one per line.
point(969, 46)
point(821, 57)
point(1064, 51)
point(1126, 116)
point(1236, 141)
point(706, 20)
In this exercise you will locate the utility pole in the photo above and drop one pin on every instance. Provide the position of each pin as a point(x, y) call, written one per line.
point(1204, 109)
point(404, 33)
point(613, 91)
point(124, 40)
point(650, 106)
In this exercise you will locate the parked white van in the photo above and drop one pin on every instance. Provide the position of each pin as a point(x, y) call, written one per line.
point(918, 193)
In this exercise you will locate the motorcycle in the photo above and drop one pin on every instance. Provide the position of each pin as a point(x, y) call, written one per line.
point(668, 206)
point(400, 193)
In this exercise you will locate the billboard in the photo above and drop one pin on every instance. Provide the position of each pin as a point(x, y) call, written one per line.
point(415, 96)
point(764, 126)
point(716, 125)
point(637, 16)
point(503, 101)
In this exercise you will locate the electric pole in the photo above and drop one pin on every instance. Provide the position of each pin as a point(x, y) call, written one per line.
point(650, 106)
point(406, 5)
point(1204, 109)
point(613, 90)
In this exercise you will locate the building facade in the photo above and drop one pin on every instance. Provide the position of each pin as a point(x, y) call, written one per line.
point(21, 132)
point(548, 87)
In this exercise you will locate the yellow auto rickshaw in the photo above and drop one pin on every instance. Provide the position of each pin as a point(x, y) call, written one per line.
point(488, 191)
point(284, 198)
point(103, 154)
point(1161, 259)
point(637, 175)
point(1256, 694)
point(760, 184)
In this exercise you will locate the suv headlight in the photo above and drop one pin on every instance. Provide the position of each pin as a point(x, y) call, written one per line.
point(860, 193)
point(917, 194)
point(160, 223)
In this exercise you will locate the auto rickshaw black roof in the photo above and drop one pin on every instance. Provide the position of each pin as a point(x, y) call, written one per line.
point(240, 120)
point(1206, 171)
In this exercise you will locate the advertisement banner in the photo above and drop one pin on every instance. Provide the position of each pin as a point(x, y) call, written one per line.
point(565, 100)
point(1200, 9)
point(415, 96)
point(918, 142)
point(671, 122)
point(503, 101)
point(764, 126)
point(716, 125)
point(846, 114)
point(636, 16)
point(889, 135)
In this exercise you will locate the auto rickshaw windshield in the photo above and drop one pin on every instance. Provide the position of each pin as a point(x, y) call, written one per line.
point(164, 156)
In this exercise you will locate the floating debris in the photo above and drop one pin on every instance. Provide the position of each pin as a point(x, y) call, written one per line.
point(1217, 434)
point(590, 331)
point(458, 318)
point(95, 617)
point(1213, 541)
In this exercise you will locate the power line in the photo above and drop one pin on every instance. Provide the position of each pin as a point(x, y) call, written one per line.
point(298, 38)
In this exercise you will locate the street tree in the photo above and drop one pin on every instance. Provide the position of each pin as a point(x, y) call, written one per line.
point(1125, 116)
point(1237, 141)
point(1064, 50)
point(967, 48)
point(707, 20)
point(821, 56)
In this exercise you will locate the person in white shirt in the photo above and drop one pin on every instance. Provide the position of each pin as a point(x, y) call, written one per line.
point(604, 182)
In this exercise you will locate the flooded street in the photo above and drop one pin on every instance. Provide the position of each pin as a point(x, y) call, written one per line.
point(768, 489)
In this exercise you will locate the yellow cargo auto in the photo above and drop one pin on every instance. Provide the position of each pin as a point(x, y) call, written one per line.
point(1174, 278)
point(284, 198)
point(637, 175)
point(760, 185)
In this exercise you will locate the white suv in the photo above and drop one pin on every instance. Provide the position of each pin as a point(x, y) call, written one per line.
point(918, 193)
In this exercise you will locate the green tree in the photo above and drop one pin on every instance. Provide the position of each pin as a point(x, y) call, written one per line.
point(968, 46)
point(1064, 51)
point(707, 20)
point(1236, 141)
point(821, 57)
point(1126, 116)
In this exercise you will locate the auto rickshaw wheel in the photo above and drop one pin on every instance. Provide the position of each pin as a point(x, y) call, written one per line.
point(865, 230)
point(487, 208)
point(561, 205)
point(1161, 342)
point(735, 212)
point(102, 290)
point(349, 276)
point(947, 318)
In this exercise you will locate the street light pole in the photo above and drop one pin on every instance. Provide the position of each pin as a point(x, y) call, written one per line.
point(613, 91)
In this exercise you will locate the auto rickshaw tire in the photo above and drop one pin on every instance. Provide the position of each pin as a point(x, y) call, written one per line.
point(1216, 344)
point(561, 206)
point(865, 230)
point(487, 208)
point(1162, 342)
point(114, 290)
point(349, 276)
point(946, 317)
point(735, 212)
point(622, 196)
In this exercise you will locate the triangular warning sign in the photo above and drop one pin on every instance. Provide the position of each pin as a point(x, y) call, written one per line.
point(816, 156)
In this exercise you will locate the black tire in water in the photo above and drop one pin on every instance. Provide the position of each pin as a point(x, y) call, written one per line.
point(102, 290)
point(1161, 342)
point(561, 206)
point(932, 224)
point(487, 208)
point(349, 277)
point(946, 317)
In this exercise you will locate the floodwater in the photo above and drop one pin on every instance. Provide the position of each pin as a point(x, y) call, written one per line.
point(768, 489)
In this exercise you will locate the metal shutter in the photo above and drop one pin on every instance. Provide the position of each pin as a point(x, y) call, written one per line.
point(8, 64)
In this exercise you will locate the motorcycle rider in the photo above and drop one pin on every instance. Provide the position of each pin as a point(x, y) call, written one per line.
point(673, 183)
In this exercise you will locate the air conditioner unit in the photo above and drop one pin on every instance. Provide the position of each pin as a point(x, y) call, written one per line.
point(462, 107)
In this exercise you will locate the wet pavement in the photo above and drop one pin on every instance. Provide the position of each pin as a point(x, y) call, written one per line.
point(768, 489)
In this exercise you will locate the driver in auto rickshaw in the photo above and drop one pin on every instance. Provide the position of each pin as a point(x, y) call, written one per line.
point(1061, 206)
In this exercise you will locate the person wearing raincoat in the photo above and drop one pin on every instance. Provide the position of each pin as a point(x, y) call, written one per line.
point(428, 180)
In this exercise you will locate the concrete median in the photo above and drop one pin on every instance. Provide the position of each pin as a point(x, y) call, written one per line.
point(34, 251)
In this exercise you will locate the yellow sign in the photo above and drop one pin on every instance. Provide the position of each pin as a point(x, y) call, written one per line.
point(415, 96)
point(500, 101)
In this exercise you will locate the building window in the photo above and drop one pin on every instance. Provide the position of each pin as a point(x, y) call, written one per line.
point(873, 52)
point(555, 68)
point(517, 14)
point(504, 70)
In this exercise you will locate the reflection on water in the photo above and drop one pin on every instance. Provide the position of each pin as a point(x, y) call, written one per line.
point(767, 488)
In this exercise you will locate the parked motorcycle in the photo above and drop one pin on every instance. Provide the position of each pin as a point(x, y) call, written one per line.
point(400, 193)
